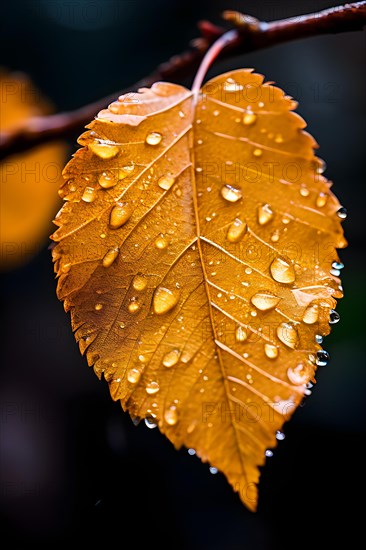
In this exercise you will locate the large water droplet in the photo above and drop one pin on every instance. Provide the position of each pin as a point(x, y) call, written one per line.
point(171, 415)
point(152, 387)
point(119, 215)
point(268, 453)
point(236, 231)
point(213, 470)
point(150, 422)
point(165, 299)
point(133, 375)
point(257, 152)
point(107, 179)
point(154, 138)
point(311, 314)
point(89, 194)
point(165, 182)
point(240, 334)
point(298, 375)
point(171, 358)
point(282, 271)
point(264, 214)
point(104, 150)
point(110, 256)
point(249, 118)
point(230, 193)
point(337, 265)
point(318, 339)
point(271, 351)
point(264, 301)
point(287, 333)
point(98, 307)
point(139, 282)
point(280, 436)
point(322, 358)
point(125, 171)
point(191, 452)
point(275, 237)
point(334, 317)
point(342, 213)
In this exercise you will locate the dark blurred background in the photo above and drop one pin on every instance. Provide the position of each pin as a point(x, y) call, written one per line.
point(72, 464)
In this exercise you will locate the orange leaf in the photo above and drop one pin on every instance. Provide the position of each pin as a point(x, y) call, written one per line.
point(195, 255)
point(28, 182)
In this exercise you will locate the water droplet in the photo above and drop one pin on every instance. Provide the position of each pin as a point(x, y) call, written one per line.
point(298, 375)
point(98, 307)
point(278, 138)
point(89, 194)
point(248, 270)
point(119, 215)
point(164, 300)
point(231, 86)
point(304, 191)
point(342, 213)
point(282, 271)
point(139, 282)
point(275, 237)
point(171, 415)
point(322, 358)
point(165, 182)
point(311, 314)
point(110, 256)
point(191, 452)
point(133, 307)
point(216, 112)
point(268, 453)
point(213, 470)
point(318, 338)
point(334, 317)
point(257, 152)
point(321, 200)
point(264, 301)
point(337, 265)
point(236, 231)
point(107, 179)
point(161, 243)
point(171, 358)
point(154, 138)
point(240, 334)
point(287, 333)
point(280, 436)
point(133, 375)
point(181, 114)
point(231, 194)
point(249, 118)
point(264, 214)
point(104, 150)
point(152, 388)
point(335, 272)
point(271, 351)
point(150, 422)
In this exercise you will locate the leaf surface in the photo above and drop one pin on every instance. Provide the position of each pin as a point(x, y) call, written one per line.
point(194, 254)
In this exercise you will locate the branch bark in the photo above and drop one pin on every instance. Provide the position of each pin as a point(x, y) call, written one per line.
point(251, 35)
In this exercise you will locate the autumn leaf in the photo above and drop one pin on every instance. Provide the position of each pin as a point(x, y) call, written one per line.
point(196, 254)
point(28, 182)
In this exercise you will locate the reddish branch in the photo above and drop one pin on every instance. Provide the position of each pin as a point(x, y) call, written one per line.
point(251, 35)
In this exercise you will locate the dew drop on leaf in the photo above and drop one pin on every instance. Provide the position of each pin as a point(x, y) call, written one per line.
point(282, 271)
point(154, 138)
point(230, 193)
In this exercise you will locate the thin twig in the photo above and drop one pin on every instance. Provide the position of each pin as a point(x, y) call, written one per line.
point(252, 35)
